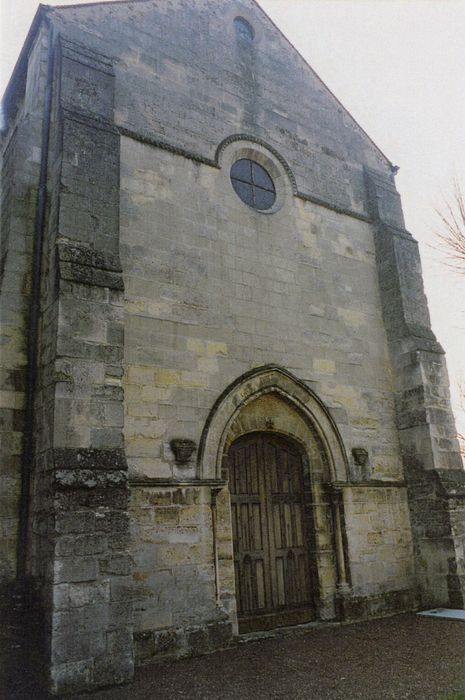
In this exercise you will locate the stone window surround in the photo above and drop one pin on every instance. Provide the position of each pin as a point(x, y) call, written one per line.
point(249, 150)
point(244, 29)
point(238, 10)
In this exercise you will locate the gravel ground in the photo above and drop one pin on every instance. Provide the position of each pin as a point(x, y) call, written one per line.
point(398, 657)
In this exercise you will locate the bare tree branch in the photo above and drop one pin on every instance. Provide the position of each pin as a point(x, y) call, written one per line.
point(451, 237)
point(461, 439)
point(452, 233)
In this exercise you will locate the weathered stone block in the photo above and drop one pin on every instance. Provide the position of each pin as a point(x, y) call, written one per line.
point(73, 645)
point(121, 588)
point(74, 570)
point(198, 640)
point(119, 641)
point(116, 564)
point(153, 644)
point(83, 521)
point(71, 677)
point(90, 544)
point(113, 669)
point(167, 516)
point(89, 592)
point(219, 634)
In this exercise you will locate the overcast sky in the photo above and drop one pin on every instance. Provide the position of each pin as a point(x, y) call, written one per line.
point(397, 66)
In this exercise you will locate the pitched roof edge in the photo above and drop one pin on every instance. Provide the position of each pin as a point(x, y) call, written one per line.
point(388, 161)
point(41, 15)
point(122, 2)
point(18, 74)
point(73, 6)
point(19, 71)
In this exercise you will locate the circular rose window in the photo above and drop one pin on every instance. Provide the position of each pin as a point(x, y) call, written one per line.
point(253, 184)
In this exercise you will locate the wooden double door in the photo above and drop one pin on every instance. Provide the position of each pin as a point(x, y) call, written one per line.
point(272, 532)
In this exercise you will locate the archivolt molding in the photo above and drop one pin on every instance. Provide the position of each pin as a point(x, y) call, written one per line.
point(219, 430)
point(246, 138)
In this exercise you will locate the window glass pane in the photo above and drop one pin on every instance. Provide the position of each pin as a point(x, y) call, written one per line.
point(244, 191)
point(242, 170)
point(244, 29)
point(253, 184)
point(261, 177)
point(264, 199)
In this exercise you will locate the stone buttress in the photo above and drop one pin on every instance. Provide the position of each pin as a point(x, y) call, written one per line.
point(430, 452)
point(79, 537)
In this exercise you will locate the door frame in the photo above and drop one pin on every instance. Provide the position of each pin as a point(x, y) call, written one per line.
point(293, 410)
point(297, 614)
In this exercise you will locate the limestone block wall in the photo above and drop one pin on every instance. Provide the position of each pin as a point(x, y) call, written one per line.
point(214, 289)
point(379, 539)
point(21, 151)
point(176, 609)
point(190, 82)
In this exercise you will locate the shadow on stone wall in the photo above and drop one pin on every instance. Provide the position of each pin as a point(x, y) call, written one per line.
point(22, 644)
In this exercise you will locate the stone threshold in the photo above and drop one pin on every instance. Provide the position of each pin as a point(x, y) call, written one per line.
point(289, 631)
point(301, 629)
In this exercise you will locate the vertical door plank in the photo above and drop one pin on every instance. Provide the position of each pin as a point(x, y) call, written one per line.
point(269, 527)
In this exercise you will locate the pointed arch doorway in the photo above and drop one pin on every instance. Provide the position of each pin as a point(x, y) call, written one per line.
point(270, 402)
point(273, 533)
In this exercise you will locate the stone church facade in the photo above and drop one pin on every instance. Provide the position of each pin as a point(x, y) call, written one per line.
point(223, 407)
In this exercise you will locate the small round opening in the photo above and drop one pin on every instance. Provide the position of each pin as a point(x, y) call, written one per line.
point(253, 184)
point(243, 29)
